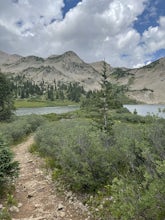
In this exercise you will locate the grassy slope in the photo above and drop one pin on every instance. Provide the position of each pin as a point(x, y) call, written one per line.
point(37, 103)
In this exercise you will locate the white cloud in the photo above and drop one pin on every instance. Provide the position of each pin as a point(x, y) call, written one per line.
point(29, 12)
point(154, 37)
point(96, 30)
point(102, 34)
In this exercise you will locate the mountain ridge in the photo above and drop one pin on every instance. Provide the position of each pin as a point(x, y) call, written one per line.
point(145, 84)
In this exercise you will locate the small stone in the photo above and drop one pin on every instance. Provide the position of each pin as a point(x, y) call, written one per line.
point(69, 194)
point(61, 214)
point(71, 199)
point(19, 205)
point(1, 206)
point(29, 196)
point(37, 205)
point(60, 207)
point(14, 209)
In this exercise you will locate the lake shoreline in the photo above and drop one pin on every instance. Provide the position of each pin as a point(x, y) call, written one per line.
point(46, 110)
point(140, 109)
point(147, 109)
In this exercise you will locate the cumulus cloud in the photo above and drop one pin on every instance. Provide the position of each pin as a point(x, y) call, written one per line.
point(154, 37)
point(25, 14)
point(96, 30)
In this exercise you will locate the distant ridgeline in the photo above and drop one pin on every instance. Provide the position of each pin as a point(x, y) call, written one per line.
point(144, 84)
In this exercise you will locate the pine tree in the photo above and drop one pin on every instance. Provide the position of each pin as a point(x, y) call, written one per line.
point(99, 103)
point(103, 103)
point(6, 98)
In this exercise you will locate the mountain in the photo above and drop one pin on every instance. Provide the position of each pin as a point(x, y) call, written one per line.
point(149, 83)
point(145, 84)
point(6, 58)
point(67, 67)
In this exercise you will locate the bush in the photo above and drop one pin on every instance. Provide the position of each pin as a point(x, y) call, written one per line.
point(8, 167)
point(4, 214)
point(125, 171)
point(137, 190)
point(20, 127)
point(79, 152)
point(133, 200)
point(132, 118)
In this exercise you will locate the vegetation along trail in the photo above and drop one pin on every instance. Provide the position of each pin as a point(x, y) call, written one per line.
point(36, 194)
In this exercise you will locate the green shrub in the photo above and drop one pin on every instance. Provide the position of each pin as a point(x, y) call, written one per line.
point(20, 127)
point(137, 190)
point(78, 151)
point(132, 118)
point(127, 169)
point(11, 201)
point(8, 168)
point(33, 148)
point(132, 200)
point(4, 214)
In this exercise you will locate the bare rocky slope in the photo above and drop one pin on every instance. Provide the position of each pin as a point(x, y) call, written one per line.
point(146, 84)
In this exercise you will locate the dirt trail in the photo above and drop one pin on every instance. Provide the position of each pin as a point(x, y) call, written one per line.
point(36, 194)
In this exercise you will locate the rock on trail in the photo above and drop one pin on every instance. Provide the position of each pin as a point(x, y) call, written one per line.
point(36, 194)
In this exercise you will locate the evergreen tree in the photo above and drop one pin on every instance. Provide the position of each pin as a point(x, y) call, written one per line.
point(8, 168)
point(75, 91)
point(103, 104)
point(51, 93)
point(99, 103)
point(6, 99)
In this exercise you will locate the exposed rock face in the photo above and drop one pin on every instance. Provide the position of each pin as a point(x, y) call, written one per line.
point(67, 67)
point(6, 58)
point(149, 83)
point(146, 84)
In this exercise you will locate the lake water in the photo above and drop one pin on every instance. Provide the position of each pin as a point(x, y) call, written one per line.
point(141, 110)
point(145, 109)
point(45, 110)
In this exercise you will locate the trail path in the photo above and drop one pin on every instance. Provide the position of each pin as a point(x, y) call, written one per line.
point(36, 194)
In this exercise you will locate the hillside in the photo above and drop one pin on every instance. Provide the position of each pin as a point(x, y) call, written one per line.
point(146, 84)
point(149, 83)
point(67, 67)
point(6, 58)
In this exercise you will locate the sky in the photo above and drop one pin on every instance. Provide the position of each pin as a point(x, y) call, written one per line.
point(124, 33)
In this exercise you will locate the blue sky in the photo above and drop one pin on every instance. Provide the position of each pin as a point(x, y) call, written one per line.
point(128, 33)
point(69, 4)
point(150, 16)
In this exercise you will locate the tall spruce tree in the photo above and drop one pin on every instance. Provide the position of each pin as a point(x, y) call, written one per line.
point(6, 98)
point(103, 104)
point(99, 103)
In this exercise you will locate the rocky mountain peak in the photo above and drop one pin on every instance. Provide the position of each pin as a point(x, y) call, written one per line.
point(145, 84)
point(31, 59)
point(7, 58)
point(67, 57)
